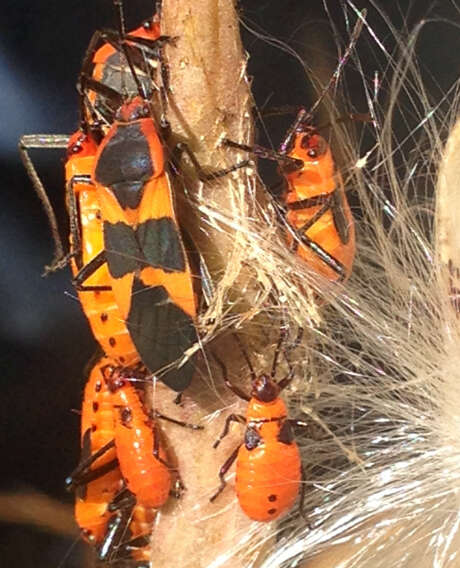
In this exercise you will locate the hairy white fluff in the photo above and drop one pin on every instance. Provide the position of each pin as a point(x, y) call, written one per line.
point(378, 373)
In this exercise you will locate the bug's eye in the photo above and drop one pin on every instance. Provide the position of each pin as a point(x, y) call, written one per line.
point(74, 149)
point(314, 144)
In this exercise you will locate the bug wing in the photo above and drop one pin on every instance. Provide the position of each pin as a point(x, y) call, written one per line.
point(163, 305)
point(341, 214)
point(150, 274)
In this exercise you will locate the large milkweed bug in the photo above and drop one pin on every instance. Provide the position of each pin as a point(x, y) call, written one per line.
point(141, 456)
point(148, 266)
point(86, 242)
point(97, 478)
point(107, 65)
point(320, 224)
point(107, 513)
point(149, 269)
point(268, 464)
point(321, 227)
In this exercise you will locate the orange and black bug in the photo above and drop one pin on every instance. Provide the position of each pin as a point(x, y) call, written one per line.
point(107, 65)
point(148, 266)
point(149, 269)
point(317, 208)
point(268, 464)
point(86, 243)
point(320, 224)
point(141, 457)
point(97, 478)
point(321, 227)
point(107, 513)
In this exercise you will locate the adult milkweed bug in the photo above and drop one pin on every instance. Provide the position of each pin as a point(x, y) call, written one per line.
point(149, 269)
point(97, 478)
point(320, 224)
point(86, 243)
point(268, 464)
point(107, 65)
point(148, 266)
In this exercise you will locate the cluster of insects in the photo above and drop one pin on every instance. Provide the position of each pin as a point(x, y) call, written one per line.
point(135, 284)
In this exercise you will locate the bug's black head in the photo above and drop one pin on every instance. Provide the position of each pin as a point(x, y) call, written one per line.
point(310, 144)
point(132, 110)
point(265, 389)
point(114, 377)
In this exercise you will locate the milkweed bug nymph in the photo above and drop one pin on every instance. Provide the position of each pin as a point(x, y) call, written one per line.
point(268, 465)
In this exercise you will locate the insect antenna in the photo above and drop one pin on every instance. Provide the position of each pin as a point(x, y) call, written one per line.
point(245, 355)
point(281, 339)
point(343, 60)
point(118, 5)
point(305, 116)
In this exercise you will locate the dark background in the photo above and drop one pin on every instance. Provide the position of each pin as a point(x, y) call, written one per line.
point(45, 341)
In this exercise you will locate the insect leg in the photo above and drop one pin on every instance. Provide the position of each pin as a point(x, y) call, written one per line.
point(156, 414)
point(82, 473)
point(50, 141)
point(223, 470)
point(266, 154)
point(123, 500)
point(87, 271)
point(183, 148)
point(116, 528)
point(230, 418)
point(240, 393)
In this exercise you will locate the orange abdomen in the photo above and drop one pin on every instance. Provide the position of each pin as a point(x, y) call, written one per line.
point(268, 479)
point(97, 416)
point(330, 249)
point(325, 234)
point(97, 430)
point(100, 307)
point(146, 476)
